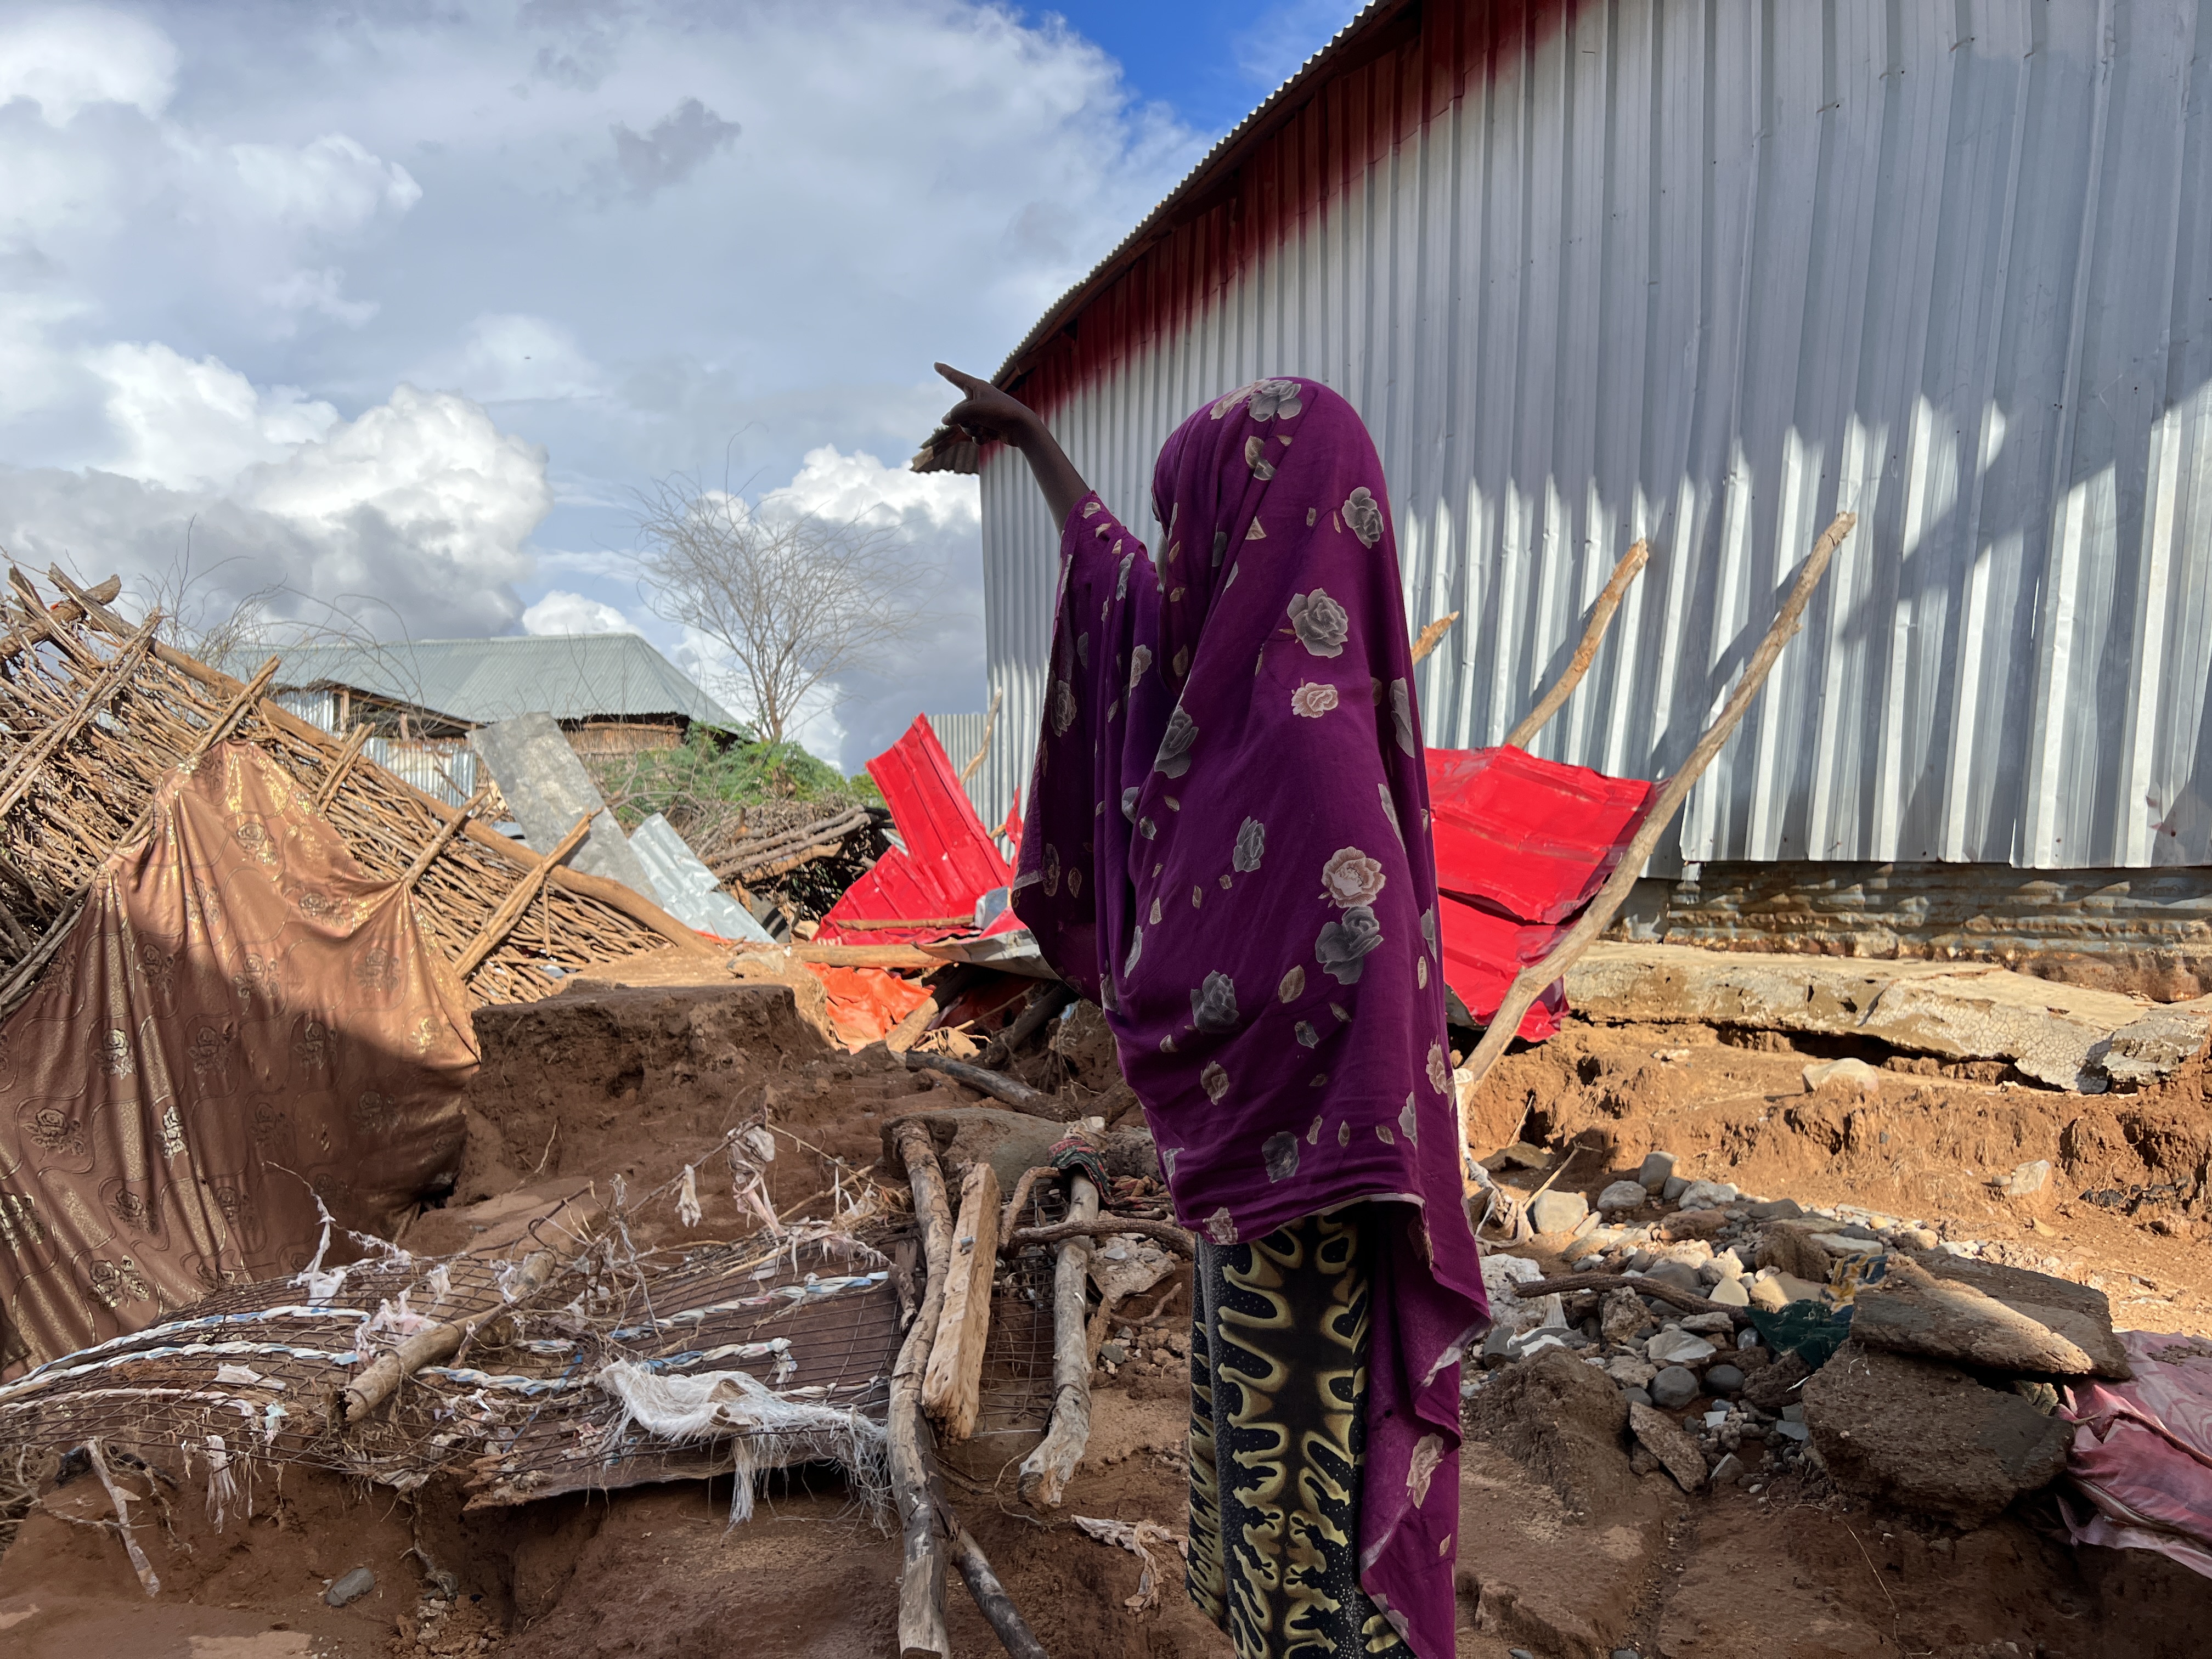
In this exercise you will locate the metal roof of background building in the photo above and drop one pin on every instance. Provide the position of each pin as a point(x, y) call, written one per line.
point(571, 677)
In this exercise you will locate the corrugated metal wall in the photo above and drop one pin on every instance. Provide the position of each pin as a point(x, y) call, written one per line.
point(449, 773)
point(1707, 272)
point(961, 736)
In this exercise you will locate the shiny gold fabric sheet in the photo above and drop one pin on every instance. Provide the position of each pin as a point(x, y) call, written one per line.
point(238, 1021)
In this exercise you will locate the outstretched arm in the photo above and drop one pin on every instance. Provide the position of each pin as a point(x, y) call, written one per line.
point(984, 412)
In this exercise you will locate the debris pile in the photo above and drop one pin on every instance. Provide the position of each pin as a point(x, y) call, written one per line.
point(1752, 1341)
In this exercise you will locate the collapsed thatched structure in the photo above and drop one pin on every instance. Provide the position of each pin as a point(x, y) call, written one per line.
point(95, 712)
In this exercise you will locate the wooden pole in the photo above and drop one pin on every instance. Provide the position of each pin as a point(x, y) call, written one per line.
point(1160, 1232)
point(1047, 1470)
point(983, 748)
point(334, 780)
point(1598, 915)
point(511, 908)
point(1433, 635)
point(992, 1600)
point(922, 1578)
point(436, 844)
point(1608, 601)
point(951, 1388)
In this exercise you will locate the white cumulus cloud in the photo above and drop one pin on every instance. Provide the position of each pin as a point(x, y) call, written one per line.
point(200, 424)
point(63, 58)
point(562, 612)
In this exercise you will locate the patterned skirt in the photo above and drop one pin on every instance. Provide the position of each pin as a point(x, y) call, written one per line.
point(1278, 1420)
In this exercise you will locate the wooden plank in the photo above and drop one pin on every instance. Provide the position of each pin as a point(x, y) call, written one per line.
point(1048, 1469)
point(921, 1576)
point(951, 1388)
point(855, 956)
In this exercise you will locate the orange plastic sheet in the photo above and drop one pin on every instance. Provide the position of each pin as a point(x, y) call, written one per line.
point(1522, 844)
point(864, 1003)
point(238, 1021)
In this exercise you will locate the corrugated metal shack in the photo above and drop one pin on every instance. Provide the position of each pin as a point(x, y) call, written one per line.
point(1707, 273)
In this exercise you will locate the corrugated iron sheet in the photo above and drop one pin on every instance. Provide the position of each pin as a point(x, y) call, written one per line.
point(1707, 273)
point(446, 770)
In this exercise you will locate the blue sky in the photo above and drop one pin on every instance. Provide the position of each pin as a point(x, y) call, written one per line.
point(389, 309)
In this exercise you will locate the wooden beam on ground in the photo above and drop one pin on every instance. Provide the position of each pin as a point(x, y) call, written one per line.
point(921, 1575)
point(1048, 1000)
point(997, 1084)
point(992, 1600)
point(1528, 984)
point(951, 1391)
point(1101, 1226)
point(855, 956)
point(1047, 1470)
point(1601, 618)
point(511, 908)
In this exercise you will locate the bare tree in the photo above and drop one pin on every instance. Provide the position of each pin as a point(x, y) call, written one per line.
point(794, 599)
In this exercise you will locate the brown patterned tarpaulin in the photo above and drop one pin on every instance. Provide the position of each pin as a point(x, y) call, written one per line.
point(238, 1021)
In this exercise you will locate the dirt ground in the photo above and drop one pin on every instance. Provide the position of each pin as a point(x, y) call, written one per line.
point(1564, 1550)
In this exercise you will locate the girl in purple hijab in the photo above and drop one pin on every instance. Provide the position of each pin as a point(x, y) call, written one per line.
point(1228, 848)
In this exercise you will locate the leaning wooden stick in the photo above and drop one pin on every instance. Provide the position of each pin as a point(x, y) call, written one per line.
point(922, 1579)
point(1048, 1469)
point(1017, 1095)
point(990, 1598)
point(1598, 915)
point(1601, 618)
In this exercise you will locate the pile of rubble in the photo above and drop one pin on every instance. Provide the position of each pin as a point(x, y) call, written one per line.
point(1752, 1339)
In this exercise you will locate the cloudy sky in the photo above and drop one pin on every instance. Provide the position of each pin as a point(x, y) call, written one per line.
point(395, 304)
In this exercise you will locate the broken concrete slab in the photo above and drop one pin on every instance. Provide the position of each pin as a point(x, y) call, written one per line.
point(2066, 1035)
point(1929, 1436)
point(547, 789)
point(1991, 1317)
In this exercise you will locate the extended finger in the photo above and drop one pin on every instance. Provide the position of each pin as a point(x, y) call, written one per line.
point(967, 383)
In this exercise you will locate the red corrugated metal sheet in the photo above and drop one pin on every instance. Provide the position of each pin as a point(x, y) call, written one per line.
point(1521, 845)
point(948, 863)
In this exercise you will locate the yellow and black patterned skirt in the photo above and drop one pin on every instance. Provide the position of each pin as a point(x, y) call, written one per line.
point(1278, 1417)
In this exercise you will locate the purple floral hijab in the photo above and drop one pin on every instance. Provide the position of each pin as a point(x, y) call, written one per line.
point(1228, 848)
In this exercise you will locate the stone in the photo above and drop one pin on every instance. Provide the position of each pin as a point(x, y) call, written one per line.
point(1707, 1194)
point(1674, 1387)
point(1636, 1396)
point(1789, 1431)
point(1651, 1174)
point(1844, 1074)
point(1774, 1388)
point(1629, 1371)
point(1587, 1226)
point(1620, 1315)
point(1728, 1471)
point(1560, 1418)
point(1777, 1209)
point(1708, 1324)
point(1723, 1380)
point(1556, 1212)
point(1623, 1195)
point(1768, 1296)
point(1989, 1316)
point(1582, 1249)
point(1678, 1347)
point(351, 1588)
point(1519, 1155)
point(1009, 1142)
point(1496, 1347)
point(1672, 1187)
point(1927, 1437)
point(1677, 1453)
point(1679, 1274)
point(1731, 1293)
point(1841, 1244)
point(2026, 1181)
point(1113, 1353)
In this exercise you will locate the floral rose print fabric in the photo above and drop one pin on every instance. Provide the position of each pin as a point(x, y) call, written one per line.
point(1238, 779)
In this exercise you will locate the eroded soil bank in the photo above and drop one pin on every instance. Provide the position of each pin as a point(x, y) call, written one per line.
point(1564, 1549)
